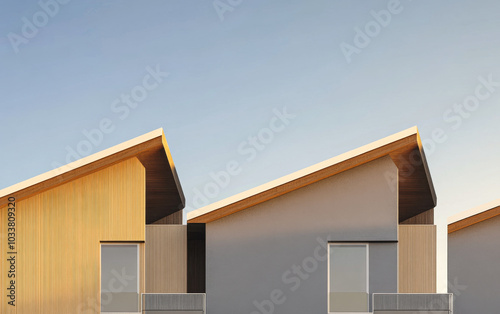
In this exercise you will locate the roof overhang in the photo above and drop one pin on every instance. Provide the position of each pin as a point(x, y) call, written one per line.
point(416, 190)
point(473, 216)
point(164, 194)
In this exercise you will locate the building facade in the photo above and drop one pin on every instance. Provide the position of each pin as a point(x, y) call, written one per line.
point(473, 253)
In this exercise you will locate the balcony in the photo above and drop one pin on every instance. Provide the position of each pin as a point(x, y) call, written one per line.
point(412, 303)
point(173, 303)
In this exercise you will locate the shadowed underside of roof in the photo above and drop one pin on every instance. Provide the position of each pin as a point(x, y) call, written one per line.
point(416, 190)
point(164, 194)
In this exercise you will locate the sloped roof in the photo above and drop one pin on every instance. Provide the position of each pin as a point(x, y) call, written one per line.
point(163, 189)
point(416, 190)
point(473, 216)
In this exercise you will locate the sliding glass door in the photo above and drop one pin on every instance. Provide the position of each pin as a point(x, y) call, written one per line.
point(348, 278)
point(120, 278)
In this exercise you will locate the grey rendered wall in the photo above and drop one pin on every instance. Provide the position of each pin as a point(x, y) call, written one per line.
point(473, 268)
point(272, 258)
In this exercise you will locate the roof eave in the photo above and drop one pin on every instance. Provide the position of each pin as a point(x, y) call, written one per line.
point(401, 142)
point(473, 216)
point(136, 147)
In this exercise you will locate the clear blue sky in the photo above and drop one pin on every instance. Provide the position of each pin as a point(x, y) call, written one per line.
point(229, 71)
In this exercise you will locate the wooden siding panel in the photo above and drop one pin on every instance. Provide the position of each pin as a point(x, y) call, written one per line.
point(4, 266)
point(417, 259)
point(166, 259)
point(172, 219)
point(59, 233)
point(30, 250)
point(425, 218)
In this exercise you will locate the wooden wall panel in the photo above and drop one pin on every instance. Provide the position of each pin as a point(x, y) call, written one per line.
point(172, 219)
point(425, 218)
point(417, 258)
point(4, 266)
point(59, 233)
point(166, 258)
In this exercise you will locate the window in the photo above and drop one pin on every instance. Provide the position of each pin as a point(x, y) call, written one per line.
point(348, 278)
point(120, 278)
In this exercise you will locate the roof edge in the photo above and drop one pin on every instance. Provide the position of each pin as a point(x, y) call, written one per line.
point(472, 216)
point(172, 168)
point(81, 163)
point(196, 216)
point(426, 169)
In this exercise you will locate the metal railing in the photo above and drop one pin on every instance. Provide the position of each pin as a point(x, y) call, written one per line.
point(394, 303)
point(187, 303)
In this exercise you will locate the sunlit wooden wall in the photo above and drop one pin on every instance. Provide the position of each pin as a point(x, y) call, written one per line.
point(166, 259)
point(59, 232)
point(417, 258)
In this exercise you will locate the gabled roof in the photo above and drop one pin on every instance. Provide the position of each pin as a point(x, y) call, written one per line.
point(473, 216)
point(416, 191)
point(163, 190)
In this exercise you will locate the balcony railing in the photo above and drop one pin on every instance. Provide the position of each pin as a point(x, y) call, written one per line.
point(173, 303)
point(412, 303)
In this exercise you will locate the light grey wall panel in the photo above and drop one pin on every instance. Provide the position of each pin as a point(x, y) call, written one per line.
point(473, 272)
point(276, 251)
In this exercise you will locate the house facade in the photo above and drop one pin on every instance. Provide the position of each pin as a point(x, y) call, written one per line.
point(473, 253)
point(92, 236)
point(353, 234)
point(341, 236)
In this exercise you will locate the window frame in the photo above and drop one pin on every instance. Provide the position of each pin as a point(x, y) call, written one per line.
point(138, 245)
point(367, 247)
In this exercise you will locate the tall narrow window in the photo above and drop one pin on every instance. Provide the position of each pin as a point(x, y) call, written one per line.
point(120, 278)
point(348, 278)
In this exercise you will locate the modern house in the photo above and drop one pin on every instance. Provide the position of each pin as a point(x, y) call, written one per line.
point(92, 236)
point(104, 234)
point(352, 234)
point(473, 254)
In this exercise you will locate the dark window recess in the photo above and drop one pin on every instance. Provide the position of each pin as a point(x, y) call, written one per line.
point(196, 258)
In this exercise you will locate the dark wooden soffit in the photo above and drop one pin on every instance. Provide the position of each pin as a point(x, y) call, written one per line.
point(416, 190)
point(472, 220)
point(163, 191)
point(164, 194)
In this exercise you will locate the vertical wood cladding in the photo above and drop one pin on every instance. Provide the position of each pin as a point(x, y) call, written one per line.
point(196, 258)
point(59, 233)
point(417, 258)
point(166, 255)
point(425, 218)
point(172, 219)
